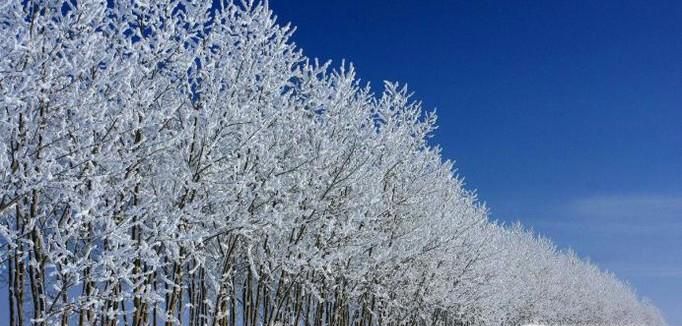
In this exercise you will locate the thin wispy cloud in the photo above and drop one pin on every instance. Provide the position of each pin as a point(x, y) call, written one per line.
point(617, 214)
point(647, 206)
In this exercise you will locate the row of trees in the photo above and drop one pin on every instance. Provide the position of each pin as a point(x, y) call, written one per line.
point(182, 162)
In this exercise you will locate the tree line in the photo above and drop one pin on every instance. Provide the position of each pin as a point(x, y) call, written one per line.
point(183, 162)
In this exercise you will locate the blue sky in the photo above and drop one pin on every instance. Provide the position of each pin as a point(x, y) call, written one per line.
point(565, 115)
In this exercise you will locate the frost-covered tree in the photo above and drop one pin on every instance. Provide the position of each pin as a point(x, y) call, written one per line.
point(182, 162)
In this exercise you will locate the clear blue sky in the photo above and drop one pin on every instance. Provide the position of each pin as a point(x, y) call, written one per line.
point(566, 115)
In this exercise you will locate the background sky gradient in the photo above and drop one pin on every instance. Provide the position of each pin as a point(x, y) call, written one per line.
point(565, 115)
